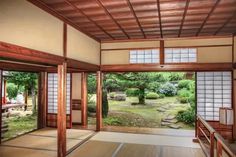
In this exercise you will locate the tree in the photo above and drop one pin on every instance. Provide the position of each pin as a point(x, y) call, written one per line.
point(26, 80)
point(140, 80)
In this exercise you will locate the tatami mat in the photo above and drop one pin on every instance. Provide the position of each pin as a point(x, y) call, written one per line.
point(162, 140)
point(95, 149)
point(39, 142)
point(23, 152)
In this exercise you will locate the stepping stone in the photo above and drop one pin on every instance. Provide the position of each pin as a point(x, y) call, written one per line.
point(161, 109)
point(170, 117)
point(174, 126)
point(165, 124)
point(173, 121)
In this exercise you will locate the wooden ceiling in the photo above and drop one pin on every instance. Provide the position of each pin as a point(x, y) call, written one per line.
point(107, 20)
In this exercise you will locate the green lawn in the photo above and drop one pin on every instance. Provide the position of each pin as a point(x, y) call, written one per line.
point(122, 113)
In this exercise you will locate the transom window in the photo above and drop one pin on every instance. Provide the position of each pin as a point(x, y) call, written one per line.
point(180, 55)
point(213, 91)
point(52, 93)
point(144, 56)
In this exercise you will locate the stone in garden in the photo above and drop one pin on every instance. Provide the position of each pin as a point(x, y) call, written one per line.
point(120, 97)
point(170, 117)
point(173, 121)
point(161, 109)
point(174, 126)
point(165, 124)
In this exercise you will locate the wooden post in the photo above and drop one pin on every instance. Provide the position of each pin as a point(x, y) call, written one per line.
point(212, 144)
point(42, 99)
point(99, 102)
point(0, 106)
point(5, 91)
point(61, 115)
point(84, 100)
point(162, 53)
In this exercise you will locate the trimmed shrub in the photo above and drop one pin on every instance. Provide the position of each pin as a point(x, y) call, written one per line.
point(152, 95)
point(105, 106)
point(187, 116)
point(168, 89)
point(161, 96)
point(12, 91)
point(187, 84)
point(92, 107)
point(120, 97)
point(112, 95)
point(185, 96)
point(132, 92)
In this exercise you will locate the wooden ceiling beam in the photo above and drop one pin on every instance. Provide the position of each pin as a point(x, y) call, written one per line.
point(205, 21)
point(159, 16)
point(136, 18)
point(81, 12)
point(226, 22)
point(110, 15)
point(184, 15)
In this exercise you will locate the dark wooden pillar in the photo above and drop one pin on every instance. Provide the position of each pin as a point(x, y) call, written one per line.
point(0, 106)
point(61, 115)
point(84, 98)
point(162, 53)
point(99, 102)
point(42, 99)
point(5, 91)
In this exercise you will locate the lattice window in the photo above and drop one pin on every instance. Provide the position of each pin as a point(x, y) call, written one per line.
point(52, 92)
point(213, 91)
point(180, 55)
point(145, 56)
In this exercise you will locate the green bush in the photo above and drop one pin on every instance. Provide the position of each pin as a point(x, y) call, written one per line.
point(187, 116)
point(105, 106)
point(168, 89)
point(12, 90)
point(186, 96)
point(112, 95)
point(152, 95)
point(132, 92)
point(161, 96)
point(92, 107)
point(187, 84)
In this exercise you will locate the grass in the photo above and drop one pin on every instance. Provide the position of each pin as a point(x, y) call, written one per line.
point(122, 113)
point(20, 125)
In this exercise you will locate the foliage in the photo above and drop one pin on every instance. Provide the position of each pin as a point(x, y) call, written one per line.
point(187, 84)
point(91, 84)
point(184, 95)
point(168, 89)
point(152, 95)
point(92, 107)
point(105, 107)
point(176, 76)
point(12, 90)
point(132, 92)
point(112, 95)
point(161, 96)
point(187, 116)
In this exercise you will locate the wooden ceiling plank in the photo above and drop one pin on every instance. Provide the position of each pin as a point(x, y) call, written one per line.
point(205, 21)
point(80, 11)
point(109, 14)
point(185, 12)
point(226, 22)
point(159, 16)
point(50, 10)
point(136, 18)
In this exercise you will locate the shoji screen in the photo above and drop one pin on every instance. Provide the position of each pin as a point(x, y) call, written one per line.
point(52, 99)
point(213, 91)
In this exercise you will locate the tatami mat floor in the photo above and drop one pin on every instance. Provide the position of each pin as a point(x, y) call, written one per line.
point(43, 143)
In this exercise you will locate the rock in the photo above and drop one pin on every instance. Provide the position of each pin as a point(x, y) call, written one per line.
point(173, 121)
point(165, 124)
point(170, 117)
point(120, 97)
point(174, 126)
point(161, 109)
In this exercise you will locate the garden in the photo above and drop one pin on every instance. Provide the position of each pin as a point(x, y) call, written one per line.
point(145, 99)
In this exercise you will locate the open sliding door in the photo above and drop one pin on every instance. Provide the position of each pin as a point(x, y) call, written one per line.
point(52, 90)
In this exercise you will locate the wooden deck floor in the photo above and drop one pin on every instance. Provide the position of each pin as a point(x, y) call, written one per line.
point(42, 143)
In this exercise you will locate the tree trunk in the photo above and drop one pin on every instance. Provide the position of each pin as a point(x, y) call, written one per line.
point(141, 97)
point(26, 99)
point(33, 100)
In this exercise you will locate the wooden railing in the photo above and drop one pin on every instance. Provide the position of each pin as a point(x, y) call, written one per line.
point(212, 143)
